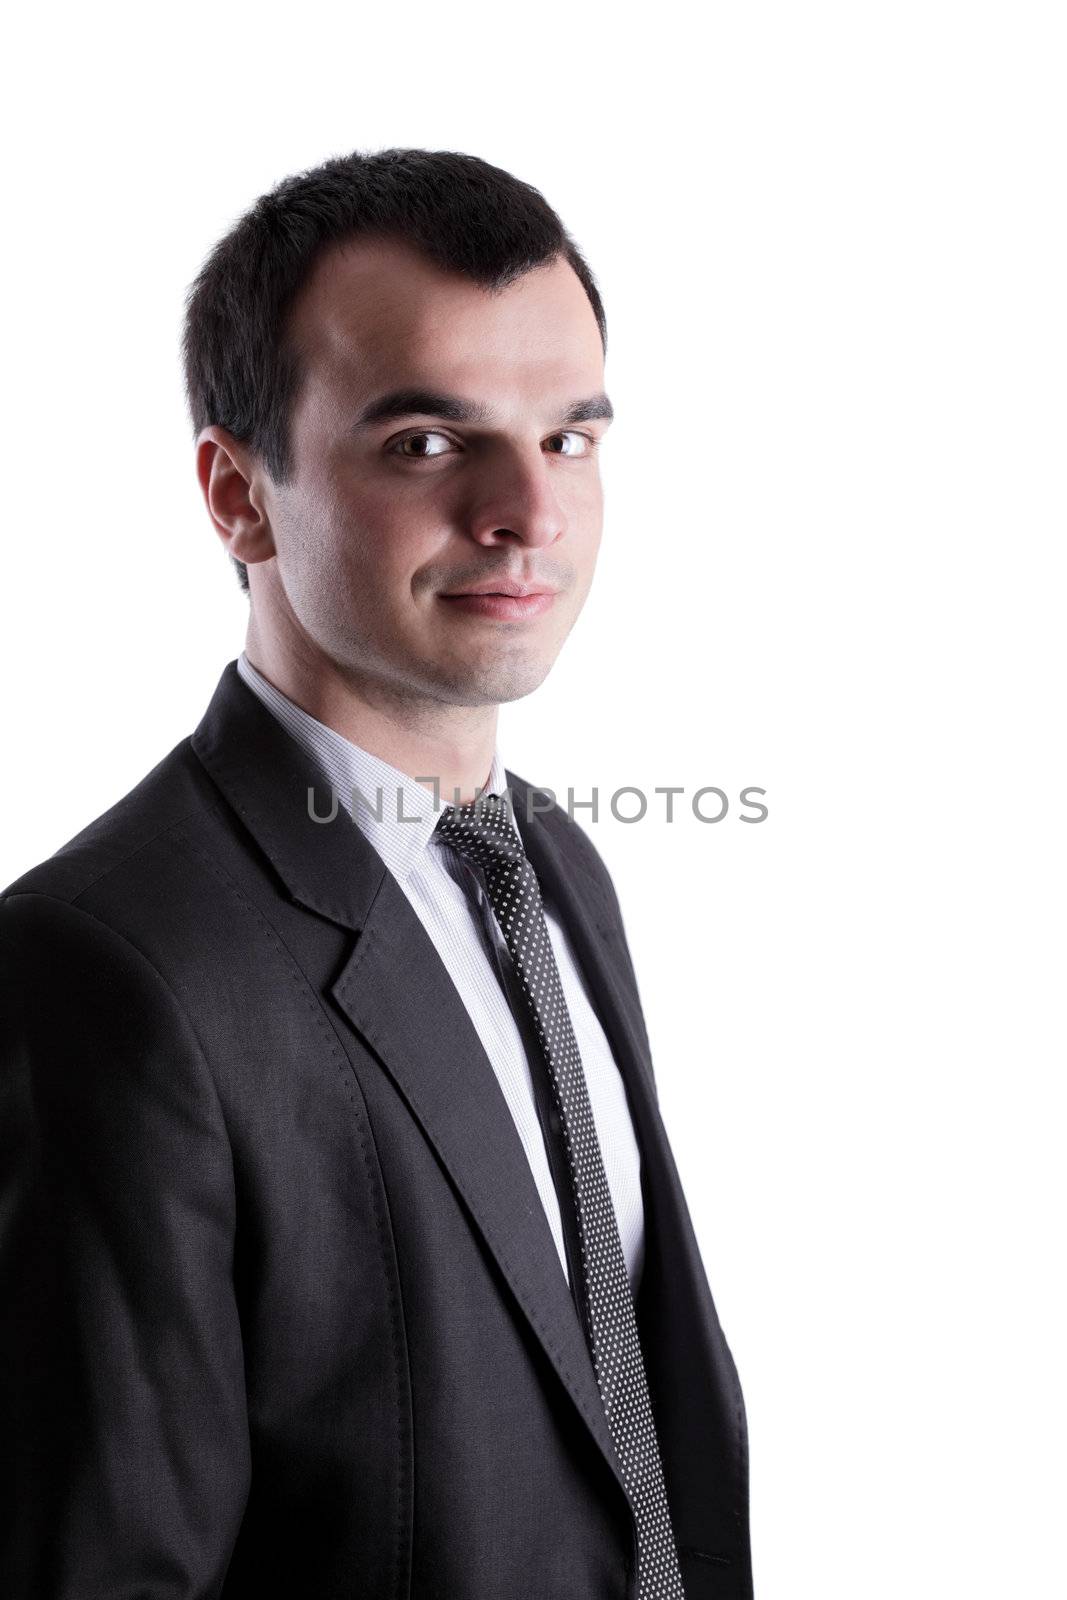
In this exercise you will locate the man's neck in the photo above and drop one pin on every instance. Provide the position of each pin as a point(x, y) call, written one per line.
point(428, 741)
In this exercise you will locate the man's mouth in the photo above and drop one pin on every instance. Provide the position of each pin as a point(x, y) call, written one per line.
point(514, 587)
point(502, 600)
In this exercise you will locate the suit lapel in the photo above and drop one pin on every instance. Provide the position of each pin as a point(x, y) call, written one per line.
point(398, 996)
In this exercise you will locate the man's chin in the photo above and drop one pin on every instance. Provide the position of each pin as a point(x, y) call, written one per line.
point(496, 683)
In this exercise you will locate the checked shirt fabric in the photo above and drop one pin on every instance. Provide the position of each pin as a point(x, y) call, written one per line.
point(482, 832)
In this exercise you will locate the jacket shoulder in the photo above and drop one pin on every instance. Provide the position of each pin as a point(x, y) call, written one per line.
point(175, 788)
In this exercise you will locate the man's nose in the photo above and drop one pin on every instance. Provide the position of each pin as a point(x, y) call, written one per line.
point(516, 497)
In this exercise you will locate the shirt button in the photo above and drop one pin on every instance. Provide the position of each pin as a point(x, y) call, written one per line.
point(554, 1121)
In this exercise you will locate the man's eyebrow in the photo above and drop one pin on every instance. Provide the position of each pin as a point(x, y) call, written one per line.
point(598, 407)
point(453, 408)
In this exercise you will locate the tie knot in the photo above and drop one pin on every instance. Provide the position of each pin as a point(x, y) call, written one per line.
point(481, 831)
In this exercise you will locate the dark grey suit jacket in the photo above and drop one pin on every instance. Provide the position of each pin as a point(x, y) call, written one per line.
point(280, 1311)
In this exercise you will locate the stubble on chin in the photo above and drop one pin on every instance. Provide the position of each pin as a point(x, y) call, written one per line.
point(492, 684)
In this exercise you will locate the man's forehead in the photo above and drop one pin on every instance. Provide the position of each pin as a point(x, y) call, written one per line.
point(377, 311)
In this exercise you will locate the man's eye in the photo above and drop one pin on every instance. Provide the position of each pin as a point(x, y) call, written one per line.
point(580, 444)
point(421, 445)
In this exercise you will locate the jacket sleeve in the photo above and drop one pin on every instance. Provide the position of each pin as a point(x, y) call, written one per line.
point(122, 1398)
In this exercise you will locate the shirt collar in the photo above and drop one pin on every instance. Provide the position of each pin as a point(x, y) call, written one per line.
point(409, 810)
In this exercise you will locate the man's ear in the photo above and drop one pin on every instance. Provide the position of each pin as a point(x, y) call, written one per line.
point(230, 477)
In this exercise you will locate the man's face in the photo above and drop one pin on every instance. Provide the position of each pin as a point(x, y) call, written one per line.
point(397, 507)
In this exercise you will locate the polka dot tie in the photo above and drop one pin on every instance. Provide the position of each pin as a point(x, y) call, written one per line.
point(485, 836)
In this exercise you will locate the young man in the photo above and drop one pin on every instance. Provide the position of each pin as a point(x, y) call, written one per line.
point(343, 1249)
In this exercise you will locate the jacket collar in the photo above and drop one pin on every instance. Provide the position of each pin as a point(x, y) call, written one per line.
point(286, 800)
point(279, 792)
point(395, 812)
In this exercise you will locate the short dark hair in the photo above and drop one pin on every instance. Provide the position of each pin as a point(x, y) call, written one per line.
point(466, 216)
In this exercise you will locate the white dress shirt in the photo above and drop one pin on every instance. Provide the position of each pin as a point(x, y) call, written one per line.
point(448, 896)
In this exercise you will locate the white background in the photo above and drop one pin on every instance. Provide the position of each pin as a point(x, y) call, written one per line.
point(831, 244)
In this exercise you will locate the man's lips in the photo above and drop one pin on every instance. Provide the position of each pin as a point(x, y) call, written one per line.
point(502, 599)
point(509, 586)
point(505, 603)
